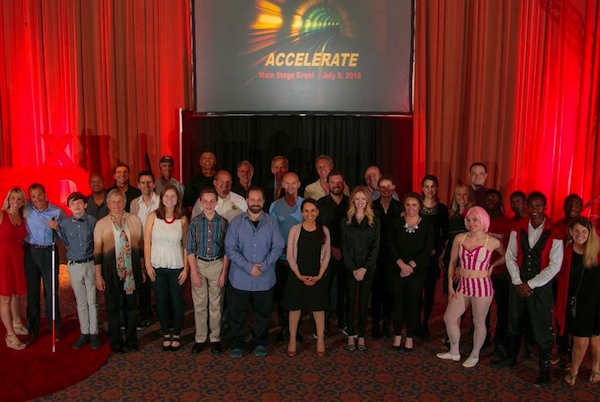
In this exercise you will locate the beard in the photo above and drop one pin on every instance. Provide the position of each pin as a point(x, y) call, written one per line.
point(255, 209)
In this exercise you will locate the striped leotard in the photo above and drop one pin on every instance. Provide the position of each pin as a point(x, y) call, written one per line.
point(477, 259)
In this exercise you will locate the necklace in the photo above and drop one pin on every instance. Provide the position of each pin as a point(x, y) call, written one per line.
point(413, 228)
point(168, 222)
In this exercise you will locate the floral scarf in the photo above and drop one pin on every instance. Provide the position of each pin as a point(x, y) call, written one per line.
point(123, 255)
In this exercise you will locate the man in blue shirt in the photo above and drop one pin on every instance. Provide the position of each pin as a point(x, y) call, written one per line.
point(41, 221)
point(287, 213)
point(77, 233)
point(253, 244)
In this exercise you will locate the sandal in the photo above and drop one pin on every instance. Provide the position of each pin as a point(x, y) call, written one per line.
point(20, 329)
point(570, 379)
point(166, 345)
point(175, 342)
point(595, 376)
point(13, 342)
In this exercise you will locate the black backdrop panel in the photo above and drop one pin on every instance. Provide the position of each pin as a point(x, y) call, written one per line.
point(354, 143)
point(351, 56)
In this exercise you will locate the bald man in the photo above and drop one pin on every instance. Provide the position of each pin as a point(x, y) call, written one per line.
point(286, 210)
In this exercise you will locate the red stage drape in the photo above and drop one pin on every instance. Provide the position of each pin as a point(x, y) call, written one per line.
point(92, 83)
point(514, 84)
point(511, 83)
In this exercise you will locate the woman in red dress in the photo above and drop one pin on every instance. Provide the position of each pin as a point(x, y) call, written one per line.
point(12, 270)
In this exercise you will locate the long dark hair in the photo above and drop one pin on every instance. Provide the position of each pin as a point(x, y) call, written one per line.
point(320, 231)
point(161, 211)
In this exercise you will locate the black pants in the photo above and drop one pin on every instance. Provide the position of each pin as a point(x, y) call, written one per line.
point(534, 312)
point(38, 265)
point(262, 304)
point(406, 294)
point(501, 288)
point(145, 300)
point(358, 302)
point(381, 298)
point(282, 270)
point(113, 297)
point(169, 299)
point(337, 281)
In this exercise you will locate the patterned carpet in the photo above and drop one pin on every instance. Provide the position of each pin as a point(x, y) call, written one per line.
point(379, 374)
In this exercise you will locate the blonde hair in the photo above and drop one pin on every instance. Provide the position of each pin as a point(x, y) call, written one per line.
point(20, 193)
point(591, 248)
point(454, 207)
point(369, 214)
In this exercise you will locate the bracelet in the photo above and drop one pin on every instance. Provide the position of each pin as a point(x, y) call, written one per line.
point(98, 277)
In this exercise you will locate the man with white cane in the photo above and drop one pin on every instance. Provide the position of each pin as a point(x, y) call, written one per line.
point(41, 261)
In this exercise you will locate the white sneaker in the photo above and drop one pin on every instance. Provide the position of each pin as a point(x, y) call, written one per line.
point(448, 356)
point(470, 362)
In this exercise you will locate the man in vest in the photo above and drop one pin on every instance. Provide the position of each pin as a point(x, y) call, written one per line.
point(533, 257)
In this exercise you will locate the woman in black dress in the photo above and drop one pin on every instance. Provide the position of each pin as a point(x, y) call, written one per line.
point(308, 253)
point(410, 242)
point(580, 277)
point(360, 246)
point(437, 213)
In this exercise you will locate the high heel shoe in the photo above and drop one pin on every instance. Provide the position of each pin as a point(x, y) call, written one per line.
point(321, 346)
point(361, 345)
point(175, 342)
point(351, 346)
point(166, 344)
point(291, 353)
point(406, 348)
point(595, 376)
point(13, 342)
point(397, 348)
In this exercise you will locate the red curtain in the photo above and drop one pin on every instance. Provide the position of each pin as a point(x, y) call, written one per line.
point(513, 84)
point(92, 83)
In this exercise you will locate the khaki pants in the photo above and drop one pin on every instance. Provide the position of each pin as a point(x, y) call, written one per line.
point(208, 300)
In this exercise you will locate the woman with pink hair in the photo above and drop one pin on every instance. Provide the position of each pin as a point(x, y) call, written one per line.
point(474, 249)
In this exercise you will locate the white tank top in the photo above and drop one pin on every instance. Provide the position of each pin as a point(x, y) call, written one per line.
point(167, 250)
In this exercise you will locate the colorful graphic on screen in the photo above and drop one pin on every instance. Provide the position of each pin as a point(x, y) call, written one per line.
point(303, 56)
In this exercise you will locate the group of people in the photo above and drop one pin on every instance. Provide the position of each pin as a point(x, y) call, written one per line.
point(331, 252)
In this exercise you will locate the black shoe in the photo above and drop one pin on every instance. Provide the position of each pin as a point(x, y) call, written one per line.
point(543, 380)
point(133, 348)
point(143, 324)
point(81, 342)
point(95, 342)
point(60, 335)
point(215, 348)
point(118, 351)
point(32, 337)
point(500, 351)
point(506, 362)
point(198, 347)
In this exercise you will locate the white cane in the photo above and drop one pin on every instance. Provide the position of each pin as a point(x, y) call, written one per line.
point(53, 302)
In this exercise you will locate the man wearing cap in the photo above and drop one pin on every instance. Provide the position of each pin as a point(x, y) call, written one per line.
point(166, 175)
